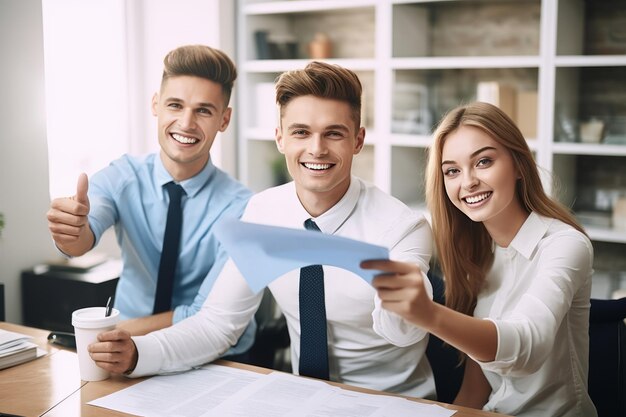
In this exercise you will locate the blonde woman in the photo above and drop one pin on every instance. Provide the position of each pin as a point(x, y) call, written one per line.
point(517, 269)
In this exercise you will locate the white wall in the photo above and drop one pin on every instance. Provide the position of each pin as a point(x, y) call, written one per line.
point(23, 150)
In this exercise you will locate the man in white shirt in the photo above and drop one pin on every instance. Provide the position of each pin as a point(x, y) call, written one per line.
point(319, 133)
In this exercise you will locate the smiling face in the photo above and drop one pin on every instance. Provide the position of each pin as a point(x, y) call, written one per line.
point(480, 180)
point(319, 139)
point(190, 111)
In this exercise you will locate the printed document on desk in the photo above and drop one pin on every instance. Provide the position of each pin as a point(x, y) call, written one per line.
point(285, 395)
point(221, 391)
point(186, 394)
point(263, 253)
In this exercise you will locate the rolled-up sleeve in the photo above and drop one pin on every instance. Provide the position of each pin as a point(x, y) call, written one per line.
point(526, 334)
point(204, 336)
point(414, 245)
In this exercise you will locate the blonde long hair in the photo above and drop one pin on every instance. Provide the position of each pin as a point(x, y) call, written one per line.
point(464, 247)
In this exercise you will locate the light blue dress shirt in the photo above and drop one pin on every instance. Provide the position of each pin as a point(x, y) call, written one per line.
point(129, 195)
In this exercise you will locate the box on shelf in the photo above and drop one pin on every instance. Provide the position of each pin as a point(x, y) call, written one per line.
point(498, 94)
point(526, 113)
point(619, 214)
point(592, 131)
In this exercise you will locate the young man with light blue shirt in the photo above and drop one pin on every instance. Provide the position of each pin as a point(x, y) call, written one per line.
point(191, 108)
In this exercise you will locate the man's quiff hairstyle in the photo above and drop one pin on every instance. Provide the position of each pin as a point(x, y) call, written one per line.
point(204, 62)
point(322, 80)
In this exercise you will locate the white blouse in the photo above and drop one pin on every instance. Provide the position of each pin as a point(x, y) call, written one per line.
point(537, 294)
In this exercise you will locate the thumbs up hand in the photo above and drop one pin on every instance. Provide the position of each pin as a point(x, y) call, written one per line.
point(81, 191)
point(68, 223)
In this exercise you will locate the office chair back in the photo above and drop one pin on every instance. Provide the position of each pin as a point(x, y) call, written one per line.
point(2, 316)
point(607, 356)
point(271, 345)
point(443, 358)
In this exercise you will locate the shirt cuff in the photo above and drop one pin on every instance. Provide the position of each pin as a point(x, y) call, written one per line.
point(149, 356)
point(393, 328)
point(179, 314)
point(507, 351)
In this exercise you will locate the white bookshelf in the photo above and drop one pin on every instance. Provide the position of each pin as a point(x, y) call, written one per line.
point(399, 44)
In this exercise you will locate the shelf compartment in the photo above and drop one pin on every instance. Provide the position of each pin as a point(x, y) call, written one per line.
point(591, 28)
point(408, 168)
point(592, 185)
point(262, 112)
point(363, 164)
point(286, 35)
point(420, 98)
point(590, 105)
point(461, 28)
point(265, 165)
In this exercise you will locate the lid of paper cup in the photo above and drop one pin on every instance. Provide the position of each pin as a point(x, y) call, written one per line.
point(94, 318)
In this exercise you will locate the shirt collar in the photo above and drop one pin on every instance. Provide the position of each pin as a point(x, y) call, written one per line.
point(192, 186)
point(530, 234)
point(330, 221)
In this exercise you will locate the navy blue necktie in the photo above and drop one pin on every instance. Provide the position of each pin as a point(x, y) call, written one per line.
point(169, 254)
point(313, 338)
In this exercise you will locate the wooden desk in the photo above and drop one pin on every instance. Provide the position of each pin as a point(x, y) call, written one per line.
point(51, 386)
point(32, 388)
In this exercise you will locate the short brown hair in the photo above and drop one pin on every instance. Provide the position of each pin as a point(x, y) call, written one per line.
point(322, 80)
point(204, 62)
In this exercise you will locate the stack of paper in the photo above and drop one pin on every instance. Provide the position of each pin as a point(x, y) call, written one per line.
point(15, 348)
point(221, 391)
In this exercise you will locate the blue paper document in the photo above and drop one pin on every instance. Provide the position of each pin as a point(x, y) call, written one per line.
point(263, 253)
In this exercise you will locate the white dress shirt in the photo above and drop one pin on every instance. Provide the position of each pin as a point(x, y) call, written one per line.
point(537, 294)
point(368, 346)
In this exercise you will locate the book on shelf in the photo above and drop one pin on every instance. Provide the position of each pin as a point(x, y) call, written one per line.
point(16, 348)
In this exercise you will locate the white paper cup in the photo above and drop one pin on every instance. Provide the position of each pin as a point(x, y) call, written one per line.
point(88, 323)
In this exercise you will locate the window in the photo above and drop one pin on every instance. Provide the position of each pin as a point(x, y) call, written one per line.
point(103, 62)
point(86, 89)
